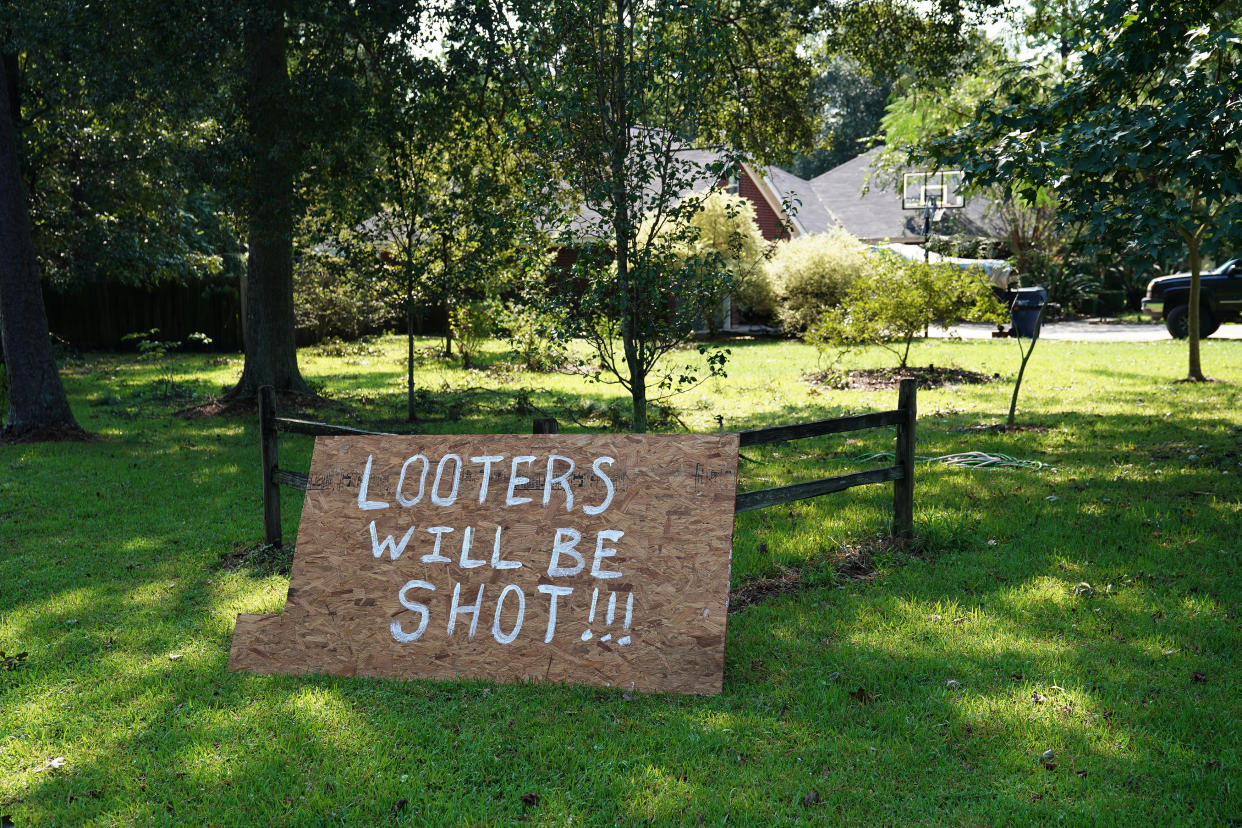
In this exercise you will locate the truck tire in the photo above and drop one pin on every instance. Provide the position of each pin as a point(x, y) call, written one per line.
point(1178, 323)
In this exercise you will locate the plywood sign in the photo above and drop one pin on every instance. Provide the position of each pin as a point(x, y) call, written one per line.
point(589, 559)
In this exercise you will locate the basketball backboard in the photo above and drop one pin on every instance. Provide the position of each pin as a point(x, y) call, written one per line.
point(942, 189)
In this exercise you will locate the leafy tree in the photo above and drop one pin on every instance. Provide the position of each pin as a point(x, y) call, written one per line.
point(899, 299)
point(87, 95)
point(624, 87)
point(851, 105)
point(1141, 140)
point(449, 212)
point(302, 128)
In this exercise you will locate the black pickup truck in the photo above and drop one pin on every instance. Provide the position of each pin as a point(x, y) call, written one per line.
point(1220, 299)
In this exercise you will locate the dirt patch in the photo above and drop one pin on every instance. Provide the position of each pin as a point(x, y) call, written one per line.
point(288, 402)
point(261, 560)
point(870, 379)
point(50, 433)
point(851, 562)
point(1001, 428)
point(761, 589)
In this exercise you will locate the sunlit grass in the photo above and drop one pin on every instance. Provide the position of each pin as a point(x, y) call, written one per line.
point(1089, 607)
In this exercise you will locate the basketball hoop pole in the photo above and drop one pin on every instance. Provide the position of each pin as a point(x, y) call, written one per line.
point(928, 211)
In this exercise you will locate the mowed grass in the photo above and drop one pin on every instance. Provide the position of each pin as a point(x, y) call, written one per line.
point(1091, 607)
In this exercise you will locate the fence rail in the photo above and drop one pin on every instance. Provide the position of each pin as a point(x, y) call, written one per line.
point(900, 474)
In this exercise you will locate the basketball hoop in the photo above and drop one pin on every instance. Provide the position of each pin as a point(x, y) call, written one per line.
point(933, 193)
point(943, 188)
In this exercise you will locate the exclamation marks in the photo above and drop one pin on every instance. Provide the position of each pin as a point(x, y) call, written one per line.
point(610, 616)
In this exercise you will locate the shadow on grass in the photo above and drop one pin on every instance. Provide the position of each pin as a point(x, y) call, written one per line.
point(843, 692)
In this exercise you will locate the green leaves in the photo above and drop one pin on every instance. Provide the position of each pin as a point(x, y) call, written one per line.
point(898, 299)
point(1140, 139)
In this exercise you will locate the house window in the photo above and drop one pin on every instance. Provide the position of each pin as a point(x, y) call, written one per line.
point(733, 187)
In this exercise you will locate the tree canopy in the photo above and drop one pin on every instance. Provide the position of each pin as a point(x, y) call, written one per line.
point(1140, 142)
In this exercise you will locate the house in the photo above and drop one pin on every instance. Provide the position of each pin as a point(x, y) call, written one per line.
point(847, 197)
point(764, 187)
point(851, 198)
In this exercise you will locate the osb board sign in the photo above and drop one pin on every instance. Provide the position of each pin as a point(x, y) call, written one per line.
point(587, 559)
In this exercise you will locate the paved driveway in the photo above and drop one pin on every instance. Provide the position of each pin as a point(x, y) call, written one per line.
point(1088, 331)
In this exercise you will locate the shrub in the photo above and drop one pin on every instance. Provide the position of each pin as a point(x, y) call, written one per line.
point(723, 229)
point(329, 300)
point(898, 302)
point(969, 247)
point(532, 338)
point(471, 324)
point(812, 274)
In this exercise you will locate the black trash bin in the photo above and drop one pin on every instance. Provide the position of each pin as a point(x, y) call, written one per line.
point(1024, 312)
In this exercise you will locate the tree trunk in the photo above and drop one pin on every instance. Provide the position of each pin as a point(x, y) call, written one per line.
point(409, 341)
point(271, 344)
point(38, 408)
point(1195, 370)
point(621, 204)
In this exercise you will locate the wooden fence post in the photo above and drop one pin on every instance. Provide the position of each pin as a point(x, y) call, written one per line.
point(270, 461)
point(546, 425)
point(903, 488)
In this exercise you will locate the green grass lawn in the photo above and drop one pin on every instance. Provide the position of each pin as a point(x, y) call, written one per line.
point(1091, 608)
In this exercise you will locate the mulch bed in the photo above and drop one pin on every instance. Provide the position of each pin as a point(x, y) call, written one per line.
point(852, 562)
point(871, 379)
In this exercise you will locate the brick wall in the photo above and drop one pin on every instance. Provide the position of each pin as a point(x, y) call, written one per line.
point(769, 223)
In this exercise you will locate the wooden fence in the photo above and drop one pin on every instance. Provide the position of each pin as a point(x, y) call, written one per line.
point(901, 473)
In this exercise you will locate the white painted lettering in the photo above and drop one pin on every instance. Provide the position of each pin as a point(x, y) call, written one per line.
point(563, 544)
point(553, 592)
point(467, 562)
point(364, 504)
point(595, 467)
point(497, 563)
point(413, 606)
point(551, 479)
point(436, 498)
point(515, 480)
point(602, 551)
point(435, 556)
point(472, 610)
point(422, 481)
point(393, 548)
point(505, 638)
point(487, 461)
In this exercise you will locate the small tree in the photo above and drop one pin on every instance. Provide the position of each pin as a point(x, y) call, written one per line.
point(899, 300)
point(630, 93)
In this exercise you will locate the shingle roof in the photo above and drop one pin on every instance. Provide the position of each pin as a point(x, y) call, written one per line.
point(809, 213)
point(877, 215)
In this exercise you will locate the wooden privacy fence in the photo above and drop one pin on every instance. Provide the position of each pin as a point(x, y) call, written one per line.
point(901, 473)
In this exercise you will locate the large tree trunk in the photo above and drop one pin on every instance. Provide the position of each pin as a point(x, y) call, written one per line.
point(270, 333)
point(38, 407)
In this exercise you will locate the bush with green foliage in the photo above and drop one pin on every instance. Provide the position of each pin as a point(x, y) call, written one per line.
point(330, 300)
point(812, 274)
point(727, 225)
point(533, 338)
point(1068, 281)
point(899, 300)
point(472, 324)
